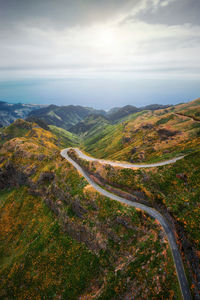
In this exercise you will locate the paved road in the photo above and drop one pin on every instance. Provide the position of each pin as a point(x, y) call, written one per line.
point(152, 212)
point(187, 117)
point(126, 165)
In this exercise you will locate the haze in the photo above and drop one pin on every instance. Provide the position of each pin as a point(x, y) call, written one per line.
point(99, 53)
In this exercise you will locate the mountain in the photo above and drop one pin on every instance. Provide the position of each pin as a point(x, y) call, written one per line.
point(61, 239)
point(10, 112)
point(118, 113)
point(112, 110)
point(72, 117)
point(173, 189)
point(149, 134)
point(154, 107)
point(121, 112)
point(64, 116)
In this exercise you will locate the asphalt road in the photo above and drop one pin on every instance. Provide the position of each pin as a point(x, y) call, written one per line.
point(127, 165)
point(152, 212)
point(187, 117)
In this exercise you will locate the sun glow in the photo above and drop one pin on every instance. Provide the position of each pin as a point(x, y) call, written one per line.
point(105, 39)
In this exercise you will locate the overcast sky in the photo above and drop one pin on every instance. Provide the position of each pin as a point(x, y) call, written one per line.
point(100, 53)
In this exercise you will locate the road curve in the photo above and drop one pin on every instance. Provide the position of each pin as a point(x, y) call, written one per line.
point(187, 117)
point(152, 212)
point(126, 165)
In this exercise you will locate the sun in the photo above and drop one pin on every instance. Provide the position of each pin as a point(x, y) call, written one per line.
point(105, 38)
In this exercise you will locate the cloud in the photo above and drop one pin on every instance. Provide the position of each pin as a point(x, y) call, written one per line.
point(170, 12)
point(98, 38)
point(60, 13)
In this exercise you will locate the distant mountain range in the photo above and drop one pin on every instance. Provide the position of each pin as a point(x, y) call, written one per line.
point(68, 117)
point(10, 112)
point(64, 116)
point(117, 113)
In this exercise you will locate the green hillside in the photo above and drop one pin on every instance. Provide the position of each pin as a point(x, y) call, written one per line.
point(149, 135)
point(90, 126)
point(118, 113)
point(62, 240)
point(66, 138)
point(63, 116)
point(173, 189)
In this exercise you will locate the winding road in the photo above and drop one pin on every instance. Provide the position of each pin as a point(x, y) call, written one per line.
point(152, 212)
point(187, 117)
point(126, 165)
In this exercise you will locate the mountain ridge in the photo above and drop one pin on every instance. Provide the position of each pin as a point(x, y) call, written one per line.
point(64, 116)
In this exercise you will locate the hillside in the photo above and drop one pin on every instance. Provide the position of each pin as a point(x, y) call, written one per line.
point(64, 116)
point(60, 239)
point(171, 189)
point(77, 119)
point(65, 138)
point(149, 135)
point(118, 113)
point(121, 112)
point(54, 225)
point(90, 125)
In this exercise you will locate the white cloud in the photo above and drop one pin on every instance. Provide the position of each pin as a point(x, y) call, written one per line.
point(113, 46)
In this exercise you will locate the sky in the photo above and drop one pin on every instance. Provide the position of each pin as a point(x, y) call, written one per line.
point(100, 53)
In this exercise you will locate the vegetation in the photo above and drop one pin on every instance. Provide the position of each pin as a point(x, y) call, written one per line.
point(61, 239)
point(90, 126)
point(172, 189)
point(18, 129)
point(148, 136)
point(63, 116)
point(37, 258)
point(66, 138)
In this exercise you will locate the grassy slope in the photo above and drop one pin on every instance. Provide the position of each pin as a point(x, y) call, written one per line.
point(190, 109)
point(64, 116)
point(66, 138)
point(39, 257)
point(177, 186)
point(96, 124)
point(150, 136)
point(18, 129)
